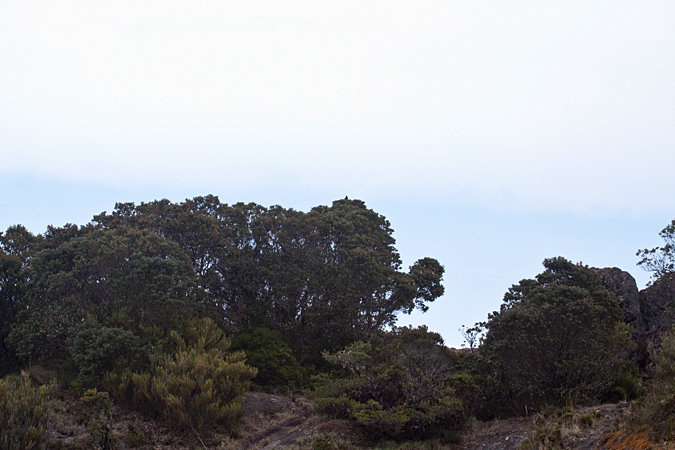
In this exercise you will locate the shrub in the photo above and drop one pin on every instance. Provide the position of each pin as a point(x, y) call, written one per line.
point(555, 339)
point(23, 412)
point(135, 438)
point(656, 409)
point(197, 387)
point(627, 382)
point(98, 418)
point(398, 386)
point(96, 349)
point(267, 351)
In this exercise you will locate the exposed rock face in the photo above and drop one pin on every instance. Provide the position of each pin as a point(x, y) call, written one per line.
point(657, 304)
point(623, 286)
point(650, 312)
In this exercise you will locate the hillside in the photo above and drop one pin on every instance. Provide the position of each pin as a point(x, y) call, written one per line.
point(163, 325)
point(279, 422)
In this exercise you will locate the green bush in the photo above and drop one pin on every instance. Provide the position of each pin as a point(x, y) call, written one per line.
point(627, 382)
point(197, 387)
point(96, 349)
point(267, 351)
point(23, 413)
point(135, 438)
point(398, 386)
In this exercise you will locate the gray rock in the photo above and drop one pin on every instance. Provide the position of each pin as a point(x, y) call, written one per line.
point(657, 304)
point(623, 286)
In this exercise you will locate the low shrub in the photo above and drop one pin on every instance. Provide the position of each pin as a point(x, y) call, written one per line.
point(656, 410)
point(98, 418)
point(134, 437)
point(23, 413)
point(268, 351)
point(398, 386)
point(627, 382)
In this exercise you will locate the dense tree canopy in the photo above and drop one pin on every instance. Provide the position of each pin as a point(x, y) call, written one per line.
point(17, 246)
point(555, 338)
point(323, 279)
point(111, 288)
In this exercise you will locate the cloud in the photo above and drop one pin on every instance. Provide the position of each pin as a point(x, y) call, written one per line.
point(524, 105)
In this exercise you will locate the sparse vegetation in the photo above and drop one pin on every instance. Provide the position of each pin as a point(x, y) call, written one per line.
point(656, 410)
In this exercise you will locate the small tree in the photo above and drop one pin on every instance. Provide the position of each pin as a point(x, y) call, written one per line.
point(557, 338)
point(660, 260)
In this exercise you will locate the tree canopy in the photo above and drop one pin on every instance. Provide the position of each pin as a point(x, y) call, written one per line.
point(310, 282)
point(324, 278)
point(109, 287)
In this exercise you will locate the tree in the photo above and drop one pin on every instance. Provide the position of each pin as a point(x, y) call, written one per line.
point(17, 246)
point(128, 286)
point(660, 260)
point(557, 338)
point(291, 271)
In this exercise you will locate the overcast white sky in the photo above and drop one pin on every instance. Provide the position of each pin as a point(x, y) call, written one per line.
point(491, 134)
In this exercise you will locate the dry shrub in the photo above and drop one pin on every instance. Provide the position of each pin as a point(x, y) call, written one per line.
point(197, 387)
point(639, 440)
point(23, 413)
point(656, 410)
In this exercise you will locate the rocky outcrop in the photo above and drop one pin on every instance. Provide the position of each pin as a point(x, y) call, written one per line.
point(623, 286)
point(657, 305)
point(650, 312)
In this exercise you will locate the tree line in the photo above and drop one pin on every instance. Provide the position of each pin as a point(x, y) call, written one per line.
point(141, 302)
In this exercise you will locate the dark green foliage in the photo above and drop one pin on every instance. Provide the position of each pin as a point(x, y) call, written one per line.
point(96, 349)
point(17, 246)
point(290, 270)
point(267, 351)
point(197, 387)
point(626, 382)
point(24, 410)
point(135, 438)
point(98, 418)
point(557, 338)
point(131, 286)
point(398, 386)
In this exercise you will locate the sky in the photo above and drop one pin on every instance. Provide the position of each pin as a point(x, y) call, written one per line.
point(491, 134)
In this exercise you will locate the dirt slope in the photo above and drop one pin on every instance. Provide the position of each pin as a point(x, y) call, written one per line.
point(272, 422)
point(280, 422)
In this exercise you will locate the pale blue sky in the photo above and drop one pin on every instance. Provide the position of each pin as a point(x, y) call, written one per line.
point(491, 134)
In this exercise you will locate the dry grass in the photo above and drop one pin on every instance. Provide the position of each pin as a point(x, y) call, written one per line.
point(621, 440)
